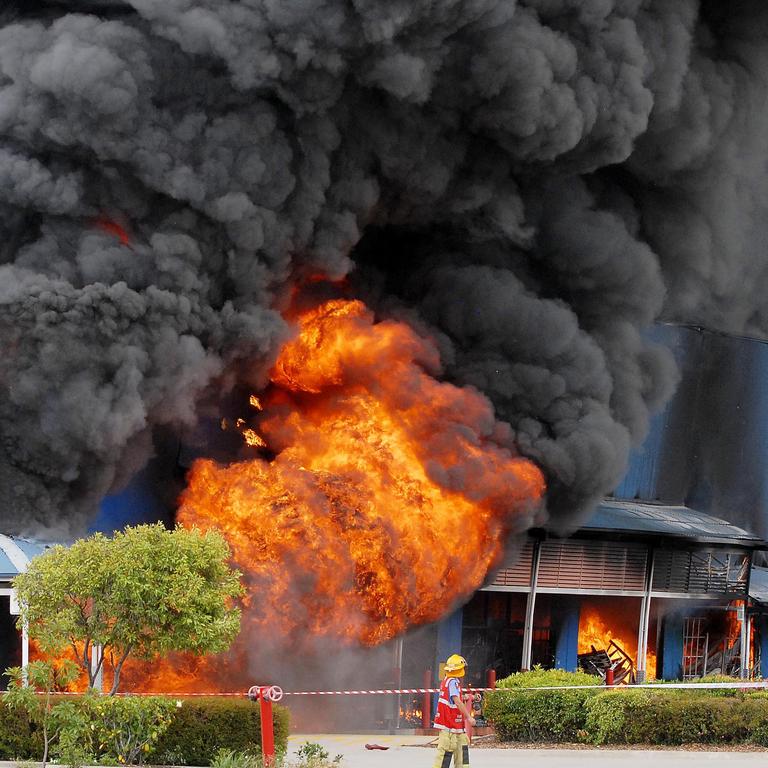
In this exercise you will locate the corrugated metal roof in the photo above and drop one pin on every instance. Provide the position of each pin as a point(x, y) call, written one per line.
point(659, 519)
point(15, 555)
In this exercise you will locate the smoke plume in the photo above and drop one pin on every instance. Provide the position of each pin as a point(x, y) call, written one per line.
point(531, 183)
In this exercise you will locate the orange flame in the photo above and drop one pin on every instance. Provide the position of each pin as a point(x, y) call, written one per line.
point(598, 630)
point(390, 495)
point(599, 625)
point(254, 439)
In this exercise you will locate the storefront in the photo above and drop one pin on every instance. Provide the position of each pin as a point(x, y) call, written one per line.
point(649, 591)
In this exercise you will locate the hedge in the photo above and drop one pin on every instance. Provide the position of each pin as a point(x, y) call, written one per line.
point(204, 725)
point(200, 727)
point(686, 717)
point(18, 739)
point(540, 715)
point(600, 716)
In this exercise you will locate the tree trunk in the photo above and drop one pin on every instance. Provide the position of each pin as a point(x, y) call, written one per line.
point(118, 667)
point(45, 744)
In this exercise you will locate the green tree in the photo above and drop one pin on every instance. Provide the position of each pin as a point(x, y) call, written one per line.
point(32, 690)
point(145, 592)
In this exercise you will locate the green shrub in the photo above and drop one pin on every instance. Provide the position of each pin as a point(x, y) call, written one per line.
point(545, 678)
point(31, 690)
point(685, 717)
point(624, 716)
point(19, 738)
point(229, 758)
point(619, 717)
point(125, 729)
point(314, 755)
point(203, 726)
point(196, 732)
point(522, 715)
point(703, 681)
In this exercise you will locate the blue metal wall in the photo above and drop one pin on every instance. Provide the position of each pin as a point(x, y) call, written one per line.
point(448, 639)
point(138, 503)
point(672, 647)
point(567, 648)
point(708, 449)
point(645, 476)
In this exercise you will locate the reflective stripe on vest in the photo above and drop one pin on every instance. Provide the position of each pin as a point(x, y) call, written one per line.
point(448, 716)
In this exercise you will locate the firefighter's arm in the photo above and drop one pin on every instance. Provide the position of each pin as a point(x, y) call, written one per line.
point(463, 709)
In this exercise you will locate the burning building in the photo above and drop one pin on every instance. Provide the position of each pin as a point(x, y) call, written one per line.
point(634, 590)
point(15, 555)
point(408, 254)
point(656, 582)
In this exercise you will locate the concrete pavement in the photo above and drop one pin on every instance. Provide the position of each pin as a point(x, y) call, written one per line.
point(403, 752)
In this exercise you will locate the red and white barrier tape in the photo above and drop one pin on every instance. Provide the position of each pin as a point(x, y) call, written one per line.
point(640, 686)
point(377, 691)
point(644, 686)
point(747, 684)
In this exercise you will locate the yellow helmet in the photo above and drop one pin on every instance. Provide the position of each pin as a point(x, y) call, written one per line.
point(456, 665)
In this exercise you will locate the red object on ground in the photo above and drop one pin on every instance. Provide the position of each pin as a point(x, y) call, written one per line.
point(266, 694)
point(609, 676)
point(490, 678)
point(375, 746)
point(267, 731)
point(426, 702)
point(467, 697)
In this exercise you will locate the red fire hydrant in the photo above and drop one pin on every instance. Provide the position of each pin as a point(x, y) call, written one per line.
point(266, 694)
point(469, 697)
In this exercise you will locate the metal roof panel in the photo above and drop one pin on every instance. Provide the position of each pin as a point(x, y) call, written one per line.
point(7, 569)
point(660, 519)
point(15, 555)
point(30, 548)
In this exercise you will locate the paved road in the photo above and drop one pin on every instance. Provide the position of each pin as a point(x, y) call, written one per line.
point(403, 753)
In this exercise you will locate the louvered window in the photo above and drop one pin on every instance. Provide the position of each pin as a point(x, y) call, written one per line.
point(517, 573)
point(700, 571)
point(592, 565)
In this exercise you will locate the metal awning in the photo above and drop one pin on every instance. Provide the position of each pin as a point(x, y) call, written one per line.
point(643, 519)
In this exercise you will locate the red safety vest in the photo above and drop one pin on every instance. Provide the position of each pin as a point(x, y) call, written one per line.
point(448, 716)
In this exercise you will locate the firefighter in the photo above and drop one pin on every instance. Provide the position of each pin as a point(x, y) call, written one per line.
point(452, 717)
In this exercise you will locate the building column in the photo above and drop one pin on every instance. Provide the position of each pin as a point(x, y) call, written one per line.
point(97, 663)
point(530, 608)
point(24, 649)
point(672, 647)
point(567, 649)
point(645, 618)
point(762, 633)
point(746, 637)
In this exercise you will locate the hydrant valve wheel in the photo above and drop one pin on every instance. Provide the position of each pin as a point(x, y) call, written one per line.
point(275, 693)
point(267, 692)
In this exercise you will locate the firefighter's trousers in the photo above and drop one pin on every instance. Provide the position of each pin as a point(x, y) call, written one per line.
point(452, 745)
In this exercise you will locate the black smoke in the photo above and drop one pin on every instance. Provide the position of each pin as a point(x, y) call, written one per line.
point(534, 183)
